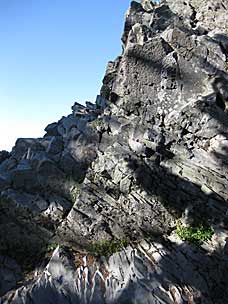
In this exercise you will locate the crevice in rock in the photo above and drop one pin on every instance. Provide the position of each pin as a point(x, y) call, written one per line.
point(220, 102)
point(193, 16)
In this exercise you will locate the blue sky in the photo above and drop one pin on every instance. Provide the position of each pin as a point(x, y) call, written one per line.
point(53, 52)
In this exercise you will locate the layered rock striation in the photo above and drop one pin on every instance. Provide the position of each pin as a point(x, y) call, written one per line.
point(149, 155)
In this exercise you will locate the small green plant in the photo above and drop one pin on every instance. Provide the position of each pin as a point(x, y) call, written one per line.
point(107, 248)
point(75, 192)
point(51, 247)
point(97, 123)
point(196, 235)
point(226, 66)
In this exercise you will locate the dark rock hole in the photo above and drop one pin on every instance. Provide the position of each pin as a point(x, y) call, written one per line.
point(220, 101)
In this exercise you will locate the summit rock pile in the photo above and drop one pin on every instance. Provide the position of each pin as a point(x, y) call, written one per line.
point(150, 153)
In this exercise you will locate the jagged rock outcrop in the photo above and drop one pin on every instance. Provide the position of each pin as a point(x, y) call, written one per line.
point(151, 151)
point(39, 182)
point(142, 274)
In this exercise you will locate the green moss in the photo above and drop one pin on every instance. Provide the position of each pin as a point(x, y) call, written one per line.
point(107, 248)
point(196, 235)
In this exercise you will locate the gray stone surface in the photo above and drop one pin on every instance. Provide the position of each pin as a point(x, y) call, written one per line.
point(10, 274)
point(150, 152)
point(148, 273)
point(4, 155)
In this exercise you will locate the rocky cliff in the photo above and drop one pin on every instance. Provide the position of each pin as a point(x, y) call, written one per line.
point(125, 200)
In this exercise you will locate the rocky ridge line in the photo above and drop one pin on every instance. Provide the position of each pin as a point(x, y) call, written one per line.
point(151, 151)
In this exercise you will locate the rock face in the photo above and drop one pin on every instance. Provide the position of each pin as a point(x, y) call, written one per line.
point(151, 153)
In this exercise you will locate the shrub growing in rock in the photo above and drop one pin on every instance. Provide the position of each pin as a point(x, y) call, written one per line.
point(196, 235)
point(107, 247)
